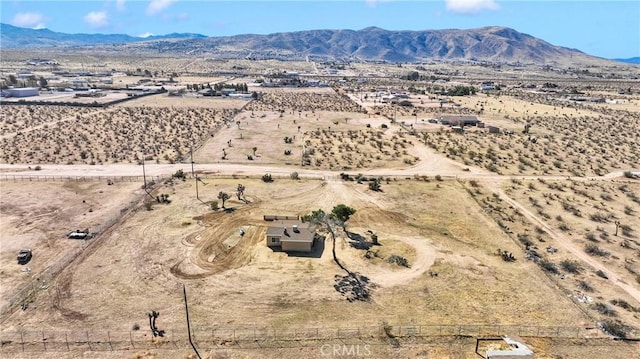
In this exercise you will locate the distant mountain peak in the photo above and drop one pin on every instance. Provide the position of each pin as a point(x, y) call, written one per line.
point(490, 44)
point(20, 37)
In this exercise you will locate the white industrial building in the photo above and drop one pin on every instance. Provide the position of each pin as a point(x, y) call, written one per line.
point(22, 92)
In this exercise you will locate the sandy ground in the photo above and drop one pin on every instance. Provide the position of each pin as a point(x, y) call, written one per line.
point(38, 216)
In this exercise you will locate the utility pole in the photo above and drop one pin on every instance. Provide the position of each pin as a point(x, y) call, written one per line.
point(197, 195)
point(192, 172)
point(144, 175)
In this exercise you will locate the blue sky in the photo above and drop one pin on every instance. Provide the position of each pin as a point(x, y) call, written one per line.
point(602, 28)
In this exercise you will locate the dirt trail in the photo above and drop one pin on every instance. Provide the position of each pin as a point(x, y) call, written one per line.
point(425, 257)
point(566, 243)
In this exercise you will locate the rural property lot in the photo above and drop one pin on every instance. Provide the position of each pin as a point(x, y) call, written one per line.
point(458, 207)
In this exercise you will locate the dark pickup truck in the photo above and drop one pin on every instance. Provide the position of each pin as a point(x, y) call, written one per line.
point(24, 256)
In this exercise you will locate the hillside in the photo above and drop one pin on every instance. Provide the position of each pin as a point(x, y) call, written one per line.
point(19, 37)
point(492, 44)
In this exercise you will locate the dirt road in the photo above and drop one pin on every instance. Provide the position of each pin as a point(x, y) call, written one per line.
point(570, 246)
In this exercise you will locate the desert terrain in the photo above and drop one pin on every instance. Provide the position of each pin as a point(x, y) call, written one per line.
point(530, 232)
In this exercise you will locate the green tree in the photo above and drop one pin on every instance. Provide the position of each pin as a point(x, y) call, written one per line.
point(13, 80)
point(342, 212)
point(223, 196)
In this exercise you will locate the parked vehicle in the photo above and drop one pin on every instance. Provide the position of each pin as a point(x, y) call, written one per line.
point(24, 256)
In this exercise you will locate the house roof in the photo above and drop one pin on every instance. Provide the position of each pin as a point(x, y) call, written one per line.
point(284, 230)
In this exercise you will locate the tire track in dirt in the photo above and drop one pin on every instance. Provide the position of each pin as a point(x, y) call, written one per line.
point(425, 253)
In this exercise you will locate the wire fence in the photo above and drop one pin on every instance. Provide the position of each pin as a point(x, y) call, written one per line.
point(92, 340)
point(61, 178)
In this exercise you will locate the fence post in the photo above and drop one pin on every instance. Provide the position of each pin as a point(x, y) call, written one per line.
point(44, 341)
point(22, 340)
point(131, 339)
point(66, 340)
point(109, 338)
point(88, 341)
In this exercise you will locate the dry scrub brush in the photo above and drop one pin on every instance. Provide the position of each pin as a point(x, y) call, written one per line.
point(122, 134)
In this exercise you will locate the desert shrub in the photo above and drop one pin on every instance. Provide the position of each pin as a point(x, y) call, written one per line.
point(294, 176)
point(267, 178)
point(524, 239)
point(135, 327)
point(600, 273)
point(622, 304)
point(375, 185)
point(548, 266)
point(594, 250)
point(626, 230)
point(148, 206)
point(214, 205)
point(564, 227)
point(600, 217)
point(605, 309)
point(606, 197)
point(571, 266)
point(179, 174)
point(615, 328)
point(399, 260)
point(438, 178)
point(592, 237)
point(585, 286)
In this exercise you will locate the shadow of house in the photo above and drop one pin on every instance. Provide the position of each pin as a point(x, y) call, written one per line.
point(291, 236)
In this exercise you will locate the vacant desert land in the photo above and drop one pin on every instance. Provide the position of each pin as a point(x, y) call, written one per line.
point(233, 281)
point(39, 215)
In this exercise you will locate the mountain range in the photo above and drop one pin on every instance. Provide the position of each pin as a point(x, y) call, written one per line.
point(20, 37)
point(492, 44)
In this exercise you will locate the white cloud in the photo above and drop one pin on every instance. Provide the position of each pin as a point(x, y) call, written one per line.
point(146, 34)
point(33, 20)
point(155, 6)
point(470, 6)
point(97, 19)
point(374, 3)
point(120, 5)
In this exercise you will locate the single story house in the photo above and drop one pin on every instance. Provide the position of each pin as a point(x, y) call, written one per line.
point(290, 236)
point(458, 120)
